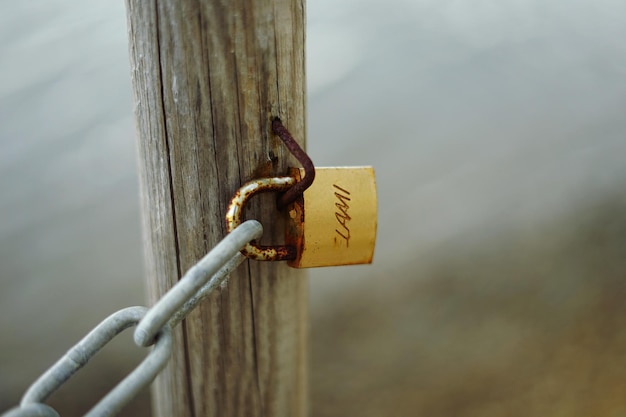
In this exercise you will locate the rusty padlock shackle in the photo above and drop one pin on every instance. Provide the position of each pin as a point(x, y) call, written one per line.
point(234, 217)
point(289, 186)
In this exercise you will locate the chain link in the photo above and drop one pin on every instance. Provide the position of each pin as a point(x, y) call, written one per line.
point(31, 410)
point(195, 278)
point(153, 327)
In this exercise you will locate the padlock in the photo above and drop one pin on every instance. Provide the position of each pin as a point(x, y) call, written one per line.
point(335, 221)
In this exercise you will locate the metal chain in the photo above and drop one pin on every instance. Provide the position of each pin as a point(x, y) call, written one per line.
point(153, 327)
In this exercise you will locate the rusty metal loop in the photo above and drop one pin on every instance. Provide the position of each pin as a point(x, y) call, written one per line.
point(293, 193)
point(234, 217)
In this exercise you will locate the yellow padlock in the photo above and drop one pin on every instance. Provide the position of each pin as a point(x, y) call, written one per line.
point(335, 221)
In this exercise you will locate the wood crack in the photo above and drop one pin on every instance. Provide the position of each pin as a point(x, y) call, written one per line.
point(168, 151)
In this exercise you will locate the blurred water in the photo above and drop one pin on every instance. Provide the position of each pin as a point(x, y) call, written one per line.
point(70, 249)
point(478, 116)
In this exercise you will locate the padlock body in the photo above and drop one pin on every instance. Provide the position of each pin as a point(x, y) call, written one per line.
point(334, 223)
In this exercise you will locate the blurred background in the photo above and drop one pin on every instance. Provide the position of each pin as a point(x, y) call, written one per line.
point(498, 132)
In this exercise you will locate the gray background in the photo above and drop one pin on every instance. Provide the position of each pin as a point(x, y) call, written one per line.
point(497, 130)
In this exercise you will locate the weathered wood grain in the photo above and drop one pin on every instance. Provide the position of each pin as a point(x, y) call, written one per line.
point(208, 76)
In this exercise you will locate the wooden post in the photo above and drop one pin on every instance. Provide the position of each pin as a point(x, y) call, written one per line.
point(208, 76)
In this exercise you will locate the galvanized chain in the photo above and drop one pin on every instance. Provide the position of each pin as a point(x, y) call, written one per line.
point(153, 328)
point(154, 325)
